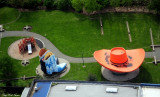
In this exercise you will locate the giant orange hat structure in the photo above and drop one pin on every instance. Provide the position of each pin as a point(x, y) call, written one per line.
point(120, 60)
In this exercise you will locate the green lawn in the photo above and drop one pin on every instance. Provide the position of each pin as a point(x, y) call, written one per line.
point(18, 68)
point(116, 30)
point(74, 34)
point(78, 72)
point(149, 73)
point(8, 15)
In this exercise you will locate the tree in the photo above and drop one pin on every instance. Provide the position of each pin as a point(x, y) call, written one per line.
point(126, 2)
point(49, 3)
point(155, 4)
point(2, 3)
point(22, 3)
point(91, 5)
point(77, 4)
point(141, 2)
point(31, 4)
point(88, 5)
point(34, 3)
point(7, 70)
point(115, 3)
point(62, 4)
point(103, 3)
point(94, 5)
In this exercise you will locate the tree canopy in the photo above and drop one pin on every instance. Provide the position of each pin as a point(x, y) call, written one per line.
point(79, 5)
point(7, 70)
point(155, 4)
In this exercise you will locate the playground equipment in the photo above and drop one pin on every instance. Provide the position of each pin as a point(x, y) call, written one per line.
point(27, 44)
point(29, 48)
point(120, 62)
point(49, 63)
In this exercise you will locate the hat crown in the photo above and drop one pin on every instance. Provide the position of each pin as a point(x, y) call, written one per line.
point(118, 55)
point(42, 51)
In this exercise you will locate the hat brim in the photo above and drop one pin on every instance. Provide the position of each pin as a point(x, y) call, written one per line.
point(135, 59)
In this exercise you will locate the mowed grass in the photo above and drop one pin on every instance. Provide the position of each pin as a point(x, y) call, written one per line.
point(149, 73)
point(8, 15)
point(28, 70)
point(116, 30)
point(81, 73)
point(75, 34)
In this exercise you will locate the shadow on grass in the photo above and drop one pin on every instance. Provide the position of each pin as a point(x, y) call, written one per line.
point(7, 70)
point(143, 77)
point(93, 77)
point(156, 18)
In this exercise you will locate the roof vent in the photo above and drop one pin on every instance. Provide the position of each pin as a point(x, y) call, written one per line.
point(111, 90)
point(71, 88)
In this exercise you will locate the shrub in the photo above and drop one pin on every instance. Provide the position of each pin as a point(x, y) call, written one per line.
point(92, 77)
point(77, 4)
point(31, 4)
point(155, 4)
point(115, 2)
point(49, 4)
point(126, 2)
point(62, 4)
point(89, 5)
point(2, 3)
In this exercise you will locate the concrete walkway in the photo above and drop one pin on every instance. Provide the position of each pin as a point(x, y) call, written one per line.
point(157, 52)
point(48, 45)
point(52, 48)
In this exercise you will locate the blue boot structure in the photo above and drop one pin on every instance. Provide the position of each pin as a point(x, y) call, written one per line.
point(49, 63)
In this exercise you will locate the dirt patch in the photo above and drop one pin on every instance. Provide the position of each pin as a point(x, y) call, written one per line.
point(13, 51)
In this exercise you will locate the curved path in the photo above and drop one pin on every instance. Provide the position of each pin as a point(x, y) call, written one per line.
point(48, 45)
point(52, 48)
